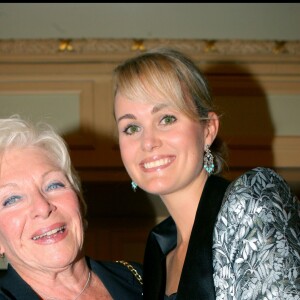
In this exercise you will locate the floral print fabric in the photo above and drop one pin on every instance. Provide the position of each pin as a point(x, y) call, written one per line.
point(257, 240)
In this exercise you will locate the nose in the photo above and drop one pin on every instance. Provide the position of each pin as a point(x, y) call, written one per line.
point(150, 140)
point(41, 207)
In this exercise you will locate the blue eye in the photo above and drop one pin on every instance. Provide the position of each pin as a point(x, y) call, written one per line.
point(12, 200)
point(131, 129)
point(168, 119)
point(54, 186)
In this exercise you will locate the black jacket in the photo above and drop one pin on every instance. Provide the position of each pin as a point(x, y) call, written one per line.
point(197, 274)
point(119, 281)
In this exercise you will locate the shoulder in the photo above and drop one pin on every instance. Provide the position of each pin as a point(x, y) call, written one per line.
point(9, 280)
point(127, 270)
point(263, 186)
point(259, 179)
point(260, 197)
point(257, 237)
point(123, 269)
point(122, 279)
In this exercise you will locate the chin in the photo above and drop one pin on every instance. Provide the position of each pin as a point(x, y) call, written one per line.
point(157, 189)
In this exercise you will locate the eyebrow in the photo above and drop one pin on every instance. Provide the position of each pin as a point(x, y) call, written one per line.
point(126, 116)
point(155, 109)
point(158, 107)
point(7, 185)
point(13, 184)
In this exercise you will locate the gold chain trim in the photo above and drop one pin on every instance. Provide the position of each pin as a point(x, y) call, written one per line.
point(132, 270)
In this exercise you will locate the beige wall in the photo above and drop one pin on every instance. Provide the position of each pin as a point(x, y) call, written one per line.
point(256, 21)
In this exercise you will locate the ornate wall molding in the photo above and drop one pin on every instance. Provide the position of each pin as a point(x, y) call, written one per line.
point(104, 47)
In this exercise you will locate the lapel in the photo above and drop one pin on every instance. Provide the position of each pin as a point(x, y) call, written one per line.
point(161, 240)
point(197, 274)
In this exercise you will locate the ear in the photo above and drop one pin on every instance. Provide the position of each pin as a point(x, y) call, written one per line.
point(212, 128)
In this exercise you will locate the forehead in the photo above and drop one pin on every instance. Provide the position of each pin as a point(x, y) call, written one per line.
point(152, 101)
point(126, 105)
point(17, 161)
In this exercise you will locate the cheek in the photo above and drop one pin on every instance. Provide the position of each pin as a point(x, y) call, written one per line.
point(127, 149)
point(193, 141)
point(11, 229)
point(72, 202)
point(67, 203)
point(185, 139)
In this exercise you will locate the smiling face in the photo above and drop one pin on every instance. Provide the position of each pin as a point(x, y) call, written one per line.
point(40, 219)
point(161, 148)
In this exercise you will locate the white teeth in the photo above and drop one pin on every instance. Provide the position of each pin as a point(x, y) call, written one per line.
point(62, 228)
point(157, 163)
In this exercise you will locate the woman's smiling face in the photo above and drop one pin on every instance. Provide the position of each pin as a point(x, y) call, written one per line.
point(40, 219)
point(161, 148)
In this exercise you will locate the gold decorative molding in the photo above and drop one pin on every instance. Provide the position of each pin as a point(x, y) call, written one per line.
point(66, 45)
point(138, 45)
point(123, 46)
point(210, 46)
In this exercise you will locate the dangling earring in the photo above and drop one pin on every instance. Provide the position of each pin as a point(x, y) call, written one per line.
point(208, 160)
point(134, 186)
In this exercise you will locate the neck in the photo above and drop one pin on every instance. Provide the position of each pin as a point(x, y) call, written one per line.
point(183, 205)
point(87, 283)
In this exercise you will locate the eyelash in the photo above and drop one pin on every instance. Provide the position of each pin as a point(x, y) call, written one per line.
point(55, 185)
point(128, 129)
point(174, 119)
point(11, 200)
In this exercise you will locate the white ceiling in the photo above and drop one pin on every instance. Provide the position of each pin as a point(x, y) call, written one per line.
point(274, 21)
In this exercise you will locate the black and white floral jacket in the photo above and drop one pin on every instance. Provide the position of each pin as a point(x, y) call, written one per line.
point(256, 247)
point(244, 245)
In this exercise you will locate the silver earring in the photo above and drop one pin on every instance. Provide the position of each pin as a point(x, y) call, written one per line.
point(208, 160)
point(134, 186)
